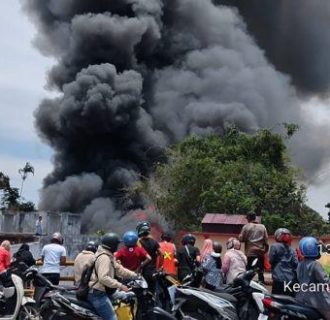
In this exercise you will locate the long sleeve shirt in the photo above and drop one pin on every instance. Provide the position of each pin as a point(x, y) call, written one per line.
point(106, 268)
point(234, 263)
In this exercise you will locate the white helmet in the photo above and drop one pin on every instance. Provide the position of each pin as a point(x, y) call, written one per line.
point(58, 237)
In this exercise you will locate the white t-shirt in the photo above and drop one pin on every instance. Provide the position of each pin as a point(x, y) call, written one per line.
point(52, 254)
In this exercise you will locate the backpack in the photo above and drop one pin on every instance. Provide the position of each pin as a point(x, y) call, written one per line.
point(83, 287)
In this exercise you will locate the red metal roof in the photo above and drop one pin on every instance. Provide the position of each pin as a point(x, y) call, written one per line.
point(221, 218)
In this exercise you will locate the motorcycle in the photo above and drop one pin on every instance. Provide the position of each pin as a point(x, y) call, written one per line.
point(145, 299)
point(58, 302)
point(244, 294)
point(192, 303)
point(281, 307)
point(249, 294)
point(13, 303)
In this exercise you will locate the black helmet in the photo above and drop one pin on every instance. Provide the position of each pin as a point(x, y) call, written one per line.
point(143, 228)
point(91, 246)
point(251, 216)
point(166, 236)
point(110, 241)
point(217, 247)
point(188, 239)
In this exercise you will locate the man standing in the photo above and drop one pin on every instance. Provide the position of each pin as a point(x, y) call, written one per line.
point(153, 249)
point(255, 237)
point(188, 256)
point(53, 255)
point(39, 226)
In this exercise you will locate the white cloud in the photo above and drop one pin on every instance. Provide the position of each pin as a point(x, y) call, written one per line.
point(22, 80)
point(23, 74)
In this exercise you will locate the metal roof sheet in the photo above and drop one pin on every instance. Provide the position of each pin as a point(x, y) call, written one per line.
point(221, 218)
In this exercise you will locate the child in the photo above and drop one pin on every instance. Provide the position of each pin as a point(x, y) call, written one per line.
point(311, 274)
point(212, 268)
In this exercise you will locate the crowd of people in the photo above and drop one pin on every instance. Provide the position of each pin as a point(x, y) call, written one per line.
point(141, 254)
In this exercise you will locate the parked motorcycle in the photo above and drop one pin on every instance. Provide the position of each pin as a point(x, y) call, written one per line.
point(145, 299)
point(249, 294)
point(244, 295)
point(13, 303)
point(192, 303)
point(281, 307)
point(58, 302)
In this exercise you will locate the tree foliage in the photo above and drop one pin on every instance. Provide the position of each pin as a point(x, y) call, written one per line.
point(10, 198)
point(232, 174)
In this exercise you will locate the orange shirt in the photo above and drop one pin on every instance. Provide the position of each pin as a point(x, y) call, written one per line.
point(168, 251)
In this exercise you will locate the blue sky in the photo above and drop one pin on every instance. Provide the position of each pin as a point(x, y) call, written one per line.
point(22, 80)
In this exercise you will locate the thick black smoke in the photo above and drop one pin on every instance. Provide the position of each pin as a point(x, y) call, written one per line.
point(295, 37)
point(137, 75)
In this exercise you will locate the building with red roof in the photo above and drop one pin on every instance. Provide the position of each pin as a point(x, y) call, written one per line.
point(224, 223)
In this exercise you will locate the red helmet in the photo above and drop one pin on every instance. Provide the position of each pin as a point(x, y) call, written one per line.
point(283, 235)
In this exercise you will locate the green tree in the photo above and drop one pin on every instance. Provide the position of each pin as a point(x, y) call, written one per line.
point(232, 174)
point(10, 198)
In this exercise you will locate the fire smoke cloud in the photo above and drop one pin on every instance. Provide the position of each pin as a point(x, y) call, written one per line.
point(295, 37)
point(135, 76)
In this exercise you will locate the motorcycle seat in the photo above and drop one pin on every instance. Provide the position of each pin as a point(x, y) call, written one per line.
point(226, 296)
point(162, 314)
point(70, 288)
point(309, 312)
point(284, 299)
point(222, 295)
point(81, 303)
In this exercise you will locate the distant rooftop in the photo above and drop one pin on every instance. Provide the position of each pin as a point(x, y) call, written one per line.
point(222, 218)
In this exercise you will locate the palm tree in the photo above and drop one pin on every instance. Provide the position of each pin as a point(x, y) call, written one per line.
point(24, 174)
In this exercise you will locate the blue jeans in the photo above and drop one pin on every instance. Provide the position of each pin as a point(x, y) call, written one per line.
point(102, 304)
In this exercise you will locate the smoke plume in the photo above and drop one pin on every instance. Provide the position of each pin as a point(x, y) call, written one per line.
point(295, 37)
point(135, 76)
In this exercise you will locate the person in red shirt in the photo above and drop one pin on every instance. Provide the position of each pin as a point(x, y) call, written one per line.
point(5, 258)
point(132, 256)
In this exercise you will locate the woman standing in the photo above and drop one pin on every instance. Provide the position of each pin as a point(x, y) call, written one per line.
point(211, 265)
point(5, 257)
point(234, 261)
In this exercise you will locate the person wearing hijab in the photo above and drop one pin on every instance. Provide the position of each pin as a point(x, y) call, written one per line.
point(206, 249)
point(24, 255)
point(211, 265)
point(234, 261)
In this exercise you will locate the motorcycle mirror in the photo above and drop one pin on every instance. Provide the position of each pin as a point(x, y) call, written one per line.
point(254, 262)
